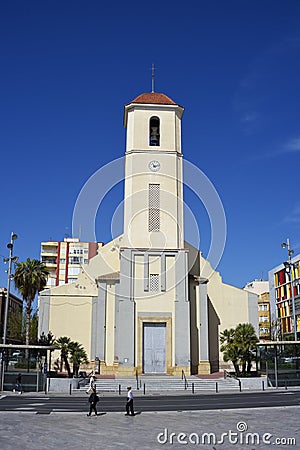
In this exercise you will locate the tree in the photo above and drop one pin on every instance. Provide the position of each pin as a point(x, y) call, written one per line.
point(33, 328)
point(16, 327)
point(63, 344)
point(30, 278)
point(46, 339)
point(78, 356)
point(230, 349)
point(246, 339)
point(238, 346)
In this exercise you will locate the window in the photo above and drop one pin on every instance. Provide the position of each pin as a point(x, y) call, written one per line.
point(263, 307)
point(264, 330)
point(263, 319)
point(62, 260)
point(154, 282)
point(75, 260)
point(46, 261)
point(76, 251)
point(154, 207)
point(154, 136)
point(74, 271)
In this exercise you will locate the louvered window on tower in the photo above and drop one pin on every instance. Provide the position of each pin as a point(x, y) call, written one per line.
point(154, 282)
point(154, 207)
point(154, 136)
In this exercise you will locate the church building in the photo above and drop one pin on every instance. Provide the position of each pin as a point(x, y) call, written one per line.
point(144, 301)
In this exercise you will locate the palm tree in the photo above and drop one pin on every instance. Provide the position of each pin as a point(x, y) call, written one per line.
point(64, 345)
point(230, 349)
point(238, 345)
point(78, 356)
point(30, 278)
point(246, 339)
point(46, 339)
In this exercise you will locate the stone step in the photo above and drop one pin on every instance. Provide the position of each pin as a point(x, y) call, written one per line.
point(163, 384)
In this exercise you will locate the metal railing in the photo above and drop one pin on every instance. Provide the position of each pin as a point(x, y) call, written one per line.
point(229, 375)
point(183, 377)
point(83, 382)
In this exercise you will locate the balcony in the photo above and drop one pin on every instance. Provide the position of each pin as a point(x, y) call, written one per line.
point(49, 262)
point(48, 251)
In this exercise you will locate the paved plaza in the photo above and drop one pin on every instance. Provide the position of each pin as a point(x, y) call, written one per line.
point(26, 430)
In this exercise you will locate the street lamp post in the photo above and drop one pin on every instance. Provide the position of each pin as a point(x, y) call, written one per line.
point(10, 260)
point(289, 266)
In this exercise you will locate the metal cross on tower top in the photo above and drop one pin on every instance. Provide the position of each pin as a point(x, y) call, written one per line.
point(153, 70)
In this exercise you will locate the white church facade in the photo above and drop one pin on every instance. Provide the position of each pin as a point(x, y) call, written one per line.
point(144, 302)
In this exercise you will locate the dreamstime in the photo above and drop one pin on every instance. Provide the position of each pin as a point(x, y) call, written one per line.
point(108, 176)
point(240, 436)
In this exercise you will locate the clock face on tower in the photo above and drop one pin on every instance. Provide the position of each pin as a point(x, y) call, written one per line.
point(154, 166)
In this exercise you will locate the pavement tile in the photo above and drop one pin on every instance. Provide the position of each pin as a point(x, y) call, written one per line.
point(27, 430)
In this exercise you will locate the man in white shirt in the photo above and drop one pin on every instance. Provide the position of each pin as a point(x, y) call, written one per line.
point(129, 403)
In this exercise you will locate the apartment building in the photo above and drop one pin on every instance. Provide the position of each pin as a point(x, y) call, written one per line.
point(261, 288)
point(282, 281)
point(64, 259)
point(15, 305)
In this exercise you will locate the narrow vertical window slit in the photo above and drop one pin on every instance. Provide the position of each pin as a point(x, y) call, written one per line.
point(154, 207)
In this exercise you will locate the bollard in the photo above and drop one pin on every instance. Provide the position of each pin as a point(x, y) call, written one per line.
point(240, 385)
point(263, 385)
point(285, 385)
point(144, 388)
point(217, 388)
point(119, 389)
point(70, 388)
point(193, 388)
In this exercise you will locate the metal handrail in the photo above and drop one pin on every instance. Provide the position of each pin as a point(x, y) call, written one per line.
point(137, 380)
point(186, 384)
point(83, 382)
point(229, 375)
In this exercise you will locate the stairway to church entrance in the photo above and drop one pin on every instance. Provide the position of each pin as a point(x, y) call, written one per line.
point(154, 348)
point(163, 383)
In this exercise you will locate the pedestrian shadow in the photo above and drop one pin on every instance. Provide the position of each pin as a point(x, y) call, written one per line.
point(101, 414)
point(138, 413)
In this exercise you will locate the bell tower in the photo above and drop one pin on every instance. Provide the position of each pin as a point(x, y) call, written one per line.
point(153, 208)
point(153, 260)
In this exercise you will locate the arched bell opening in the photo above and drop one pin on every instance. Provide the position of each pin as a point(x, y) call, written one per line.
point(154, 132)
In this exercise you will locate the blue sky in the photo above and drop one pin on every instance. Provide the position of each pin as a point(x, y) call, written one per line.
point(66, 70)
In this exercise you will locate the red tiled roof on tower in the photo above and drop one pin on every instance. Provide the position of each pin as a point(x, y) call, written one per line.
point(154, 97)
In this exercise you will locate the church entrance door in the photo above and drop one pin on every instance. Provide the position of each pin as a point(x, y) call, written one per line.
point(154, 348)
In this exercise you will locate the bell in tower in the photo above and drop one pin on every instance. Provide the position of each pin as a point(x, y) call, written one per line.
point(154, 131)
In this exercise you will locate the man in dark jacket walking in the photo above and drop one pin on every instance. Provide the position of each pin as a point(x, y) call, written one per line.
point(93, 400)
point(18, 386)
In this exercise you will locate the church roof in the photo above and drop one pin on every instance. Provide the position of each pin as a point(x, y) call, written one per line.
point(155, 98)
